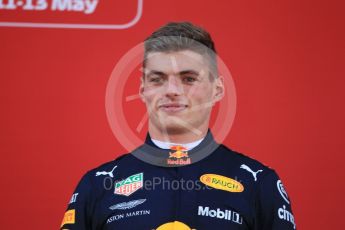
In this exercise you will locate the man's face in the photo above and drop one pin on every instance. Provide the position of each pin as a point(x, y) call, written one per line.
point(179, 92)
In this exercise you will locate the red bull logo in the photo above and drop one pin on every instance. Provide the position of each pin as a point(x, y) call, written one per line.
point(180, 152)
point(180, 156)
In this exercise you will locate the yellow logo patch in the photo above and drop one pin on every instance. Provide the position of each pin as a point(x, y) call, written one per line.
point(176, 225)
point(221, 182)
point(69, 217)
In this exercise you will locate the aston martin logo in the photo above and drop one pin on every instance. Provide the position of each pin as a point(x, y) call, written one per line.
point(127, 205)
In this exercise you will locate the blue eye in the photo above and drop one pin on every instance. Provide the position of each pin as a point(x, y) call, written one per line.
point(189, 79)
point(155, 79)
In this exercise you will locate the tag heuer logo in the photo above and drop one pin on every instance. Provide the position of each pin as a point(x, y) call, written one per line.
point(129, 185)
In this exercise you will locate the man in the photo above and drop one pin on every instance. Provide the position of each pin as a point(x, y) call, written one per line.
point(180, 178)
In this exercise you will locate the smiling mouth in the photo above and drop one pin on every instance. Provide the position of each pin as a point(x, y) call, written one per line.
point(172, 108)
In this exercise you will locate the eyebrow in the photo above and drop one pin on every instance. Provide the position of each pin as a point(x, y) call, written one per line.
point(152, 72)
point(189, 72)
point(183, 72)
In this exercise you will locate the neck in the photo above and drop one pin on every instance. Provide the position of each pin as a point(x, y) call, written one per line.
point(180, 136)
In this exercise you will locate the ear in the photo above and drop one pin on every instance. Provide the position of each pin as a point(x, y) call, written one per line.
point(219, 89)
point(141, 89)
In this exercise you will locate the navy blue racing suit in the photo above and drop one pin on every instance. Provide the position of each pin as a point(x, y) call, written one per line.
point(209, 187)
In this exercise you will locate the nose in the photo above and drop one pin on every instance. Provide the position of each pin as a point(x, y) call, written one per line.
point(174, 87)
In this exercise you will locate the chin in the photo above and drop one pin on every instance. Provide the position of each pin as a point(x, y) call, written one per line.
point(173, 129)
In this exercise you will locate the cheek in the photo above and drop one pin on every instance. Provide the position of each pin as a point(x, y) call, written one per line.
point(200, 94)
point(147, 94)
point(150, 100)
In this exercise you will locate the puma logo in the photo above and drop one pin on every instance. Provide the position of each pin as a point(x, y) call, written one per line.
point(245, 167)
point(106, 173)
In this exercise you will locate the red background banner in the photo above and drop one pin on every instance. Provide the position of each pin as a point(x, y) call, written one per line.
point(287, 61)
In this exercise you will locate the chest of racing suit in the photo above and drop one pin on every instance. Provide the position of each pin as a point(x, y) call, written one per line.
point(209, 187)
